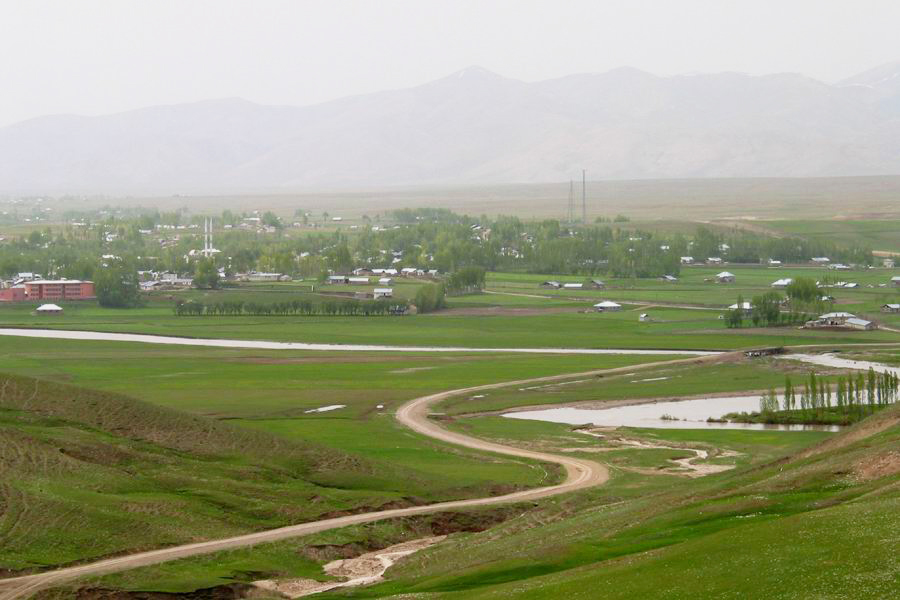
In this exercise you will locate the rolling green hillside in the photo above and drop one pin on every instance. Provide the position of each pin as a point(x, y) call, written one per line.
point(86, 474)
point(816, 524)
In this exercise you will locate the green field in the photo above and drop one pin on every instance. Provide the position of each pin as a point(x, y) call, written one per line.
point(880, 234)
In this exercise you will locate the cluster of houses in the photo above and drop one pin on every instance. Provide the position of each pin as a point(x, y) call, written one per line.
point(386, 277)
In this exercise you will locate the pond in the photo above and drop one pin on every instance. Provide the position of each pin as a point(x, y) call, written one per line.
point(684, 414)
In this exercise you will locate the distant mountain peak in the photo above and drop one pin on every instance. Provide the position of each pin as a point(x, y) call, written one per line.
point(474, 126)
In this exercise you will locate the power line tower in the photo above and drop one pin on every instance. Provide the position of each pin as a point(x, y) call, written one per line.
point(583, 198)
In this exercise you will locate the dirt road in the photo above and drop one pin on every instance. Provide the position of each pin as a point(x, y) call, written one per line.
point(580, 474)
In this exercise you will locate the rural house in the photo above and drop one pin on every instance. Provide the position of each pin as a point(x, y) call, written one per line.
point(607, 306)
point(725, 277)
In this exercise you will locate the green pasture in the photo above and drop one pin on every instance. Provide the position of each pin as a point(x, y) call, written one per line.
point(671, 328)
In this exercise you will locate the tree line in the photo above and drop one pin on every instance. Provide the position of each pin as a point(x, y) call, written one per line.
point(328, 308)
point(853, 397)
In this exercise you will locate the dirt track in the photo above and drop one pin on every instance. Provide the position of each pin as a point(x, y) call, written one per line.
point(414, 414)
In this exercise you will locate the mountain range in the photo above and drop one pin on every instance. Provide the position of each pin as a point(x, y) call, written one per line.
point(475, 126)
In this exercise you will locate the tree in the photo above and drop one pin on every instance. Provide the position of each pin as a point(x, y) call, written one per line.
point(430, 297)
point(803, 289)
point(117, 287)
point(206, 275)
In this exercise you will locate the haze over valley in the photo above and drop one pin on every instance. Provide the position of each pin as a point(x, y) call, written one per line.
point(474, 126)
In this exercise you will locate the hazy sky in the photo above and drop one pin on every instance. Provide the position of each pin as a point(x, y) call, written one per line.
point(100, 56)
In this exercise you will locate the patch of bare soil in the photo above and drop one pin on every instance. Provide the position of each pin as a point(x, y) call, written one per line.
point(365, 569)
point(875, 467)
point(687, 467)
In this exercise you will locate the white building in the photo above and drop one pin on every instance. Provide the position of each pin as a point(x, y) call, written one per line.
point(725, 277)
point(383, 293)
point(607, 306)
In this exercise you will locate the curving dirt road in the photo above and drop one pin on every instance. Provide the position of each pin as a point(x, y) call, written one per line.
point(414, 414)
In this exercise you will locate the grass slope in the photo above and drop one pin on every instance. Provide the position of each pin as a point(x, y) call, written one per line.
point(821, 523)
point(86, 474)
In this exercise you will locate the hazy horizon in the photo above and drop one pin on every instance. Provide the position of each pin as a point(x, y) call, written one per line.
point(99, 57)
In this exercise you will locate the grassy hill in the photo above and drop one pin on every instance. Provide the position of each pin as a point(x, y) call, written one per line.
point(816, 524)
point(86, 474)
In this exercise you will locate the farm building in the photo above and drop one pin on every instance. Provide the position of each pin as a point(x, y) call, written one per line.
point(551, 284)
point(835, 318)
point(385, 281)
point(48, 309)
point(644, 318)
point(573, 286)
point(596, 284)
point(669, 278)
point(895, 280)
point(256, 276)
point(338, 279)
point(383, 293)
point(714, 260)
point(607, 306)
point(890, 308)
point(358, 280)
point(854, 323)
point(687, 260)
point(782, 283)
point(725, 277)
point(774, 263)
point(820, 260)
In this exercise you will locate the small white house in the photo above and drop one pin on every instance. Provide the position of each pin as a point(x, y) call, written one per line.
point(358, 280)
point(687, 260)
point(385, 281)
point(782, 283)
point(820, 260)
point(725, 277)
point(774, 263)
point(644, 318)
point(745, 306)
point(890, 308)
point(383, 293)
point(48, 309)
point(669, 278)
point(573, 286)
point(607, 306)
point(895, 281)
point(714, 260)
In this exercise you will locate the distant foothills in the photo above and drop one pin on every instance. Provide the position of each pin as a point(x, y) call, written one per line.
point(474, 126)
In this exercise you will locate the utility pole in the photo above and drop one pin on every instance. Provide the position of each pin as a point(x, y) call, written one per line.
point(583, 199)
point(570, 214)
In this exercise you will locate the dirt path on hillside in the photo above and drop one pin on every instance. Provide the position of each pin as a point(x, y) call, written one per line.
point(414, 414)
